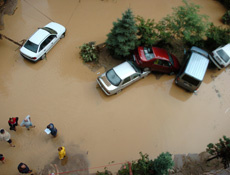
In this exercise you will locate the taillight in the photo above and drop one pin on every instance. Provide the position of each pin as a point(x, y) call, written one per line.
point(34, 58)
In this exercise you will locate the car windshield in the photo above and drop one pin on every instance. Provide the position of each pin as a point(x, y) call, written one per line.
point(223, 55)
point(31, 46)
point(135, 67)
point(191, 80)
point(148, 53)
point(113, 77)
point(170, 58)
point(51, 31)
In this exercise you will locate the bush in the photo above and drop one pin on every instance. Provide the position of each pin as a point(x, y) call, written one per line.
point(216, 36)
point(122, 38)
point(145, 166)
point(147, 32)
point(226, 18)
point(89, 52)
point(184, 24)
point(221, 150)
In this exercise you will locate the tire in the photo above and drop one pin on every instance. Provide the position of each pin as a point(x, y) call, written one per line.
point(62, 36)
point(43, 56)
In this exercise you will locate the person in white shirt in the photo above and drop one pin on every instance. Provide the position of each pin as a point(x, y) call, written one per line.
point(4, 135)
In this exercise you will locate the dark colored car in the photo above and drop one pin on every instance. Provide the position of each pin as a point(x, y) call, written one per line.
point(156, 59)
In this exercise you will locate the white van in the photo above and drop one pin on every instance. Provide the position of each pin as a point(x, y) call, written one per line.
point(221, 56)
point(193, 70)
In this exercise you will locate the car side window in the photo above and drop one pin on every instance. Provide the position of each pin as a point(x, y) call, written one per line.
point(46, 42)
point(135, 76)
point(161, 63)
point(126, 80)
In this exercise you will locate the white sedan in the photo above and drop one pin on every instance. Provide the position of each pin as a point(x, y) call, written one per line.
point(39, 44)
point(121, 76)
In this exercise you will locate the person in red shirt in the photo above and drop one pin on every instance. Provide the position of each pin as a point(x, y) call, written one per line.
point(2, 158)
point(13, 122)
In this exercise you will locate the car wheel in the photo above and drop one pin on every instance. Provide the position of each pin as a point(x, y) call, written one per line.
point(43, 56)
point(62, 36)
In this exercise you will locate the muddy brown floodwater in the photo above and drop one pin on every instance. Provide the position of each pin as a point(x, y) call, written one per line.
point(152, 116)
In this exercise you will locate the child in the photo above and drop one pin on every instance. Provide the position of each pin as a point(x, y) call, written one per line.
point(62, 153)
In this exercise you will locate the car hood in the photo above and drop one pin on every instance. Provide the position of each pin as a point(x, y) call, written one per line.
point(57, 27)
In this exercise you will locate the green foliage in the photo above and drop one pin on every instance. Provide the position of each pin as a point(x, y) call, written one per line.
point(184, 24)
point(163, 163)
point(145, 166)
point(221, 150)
point(122, 38)
point(89, 52)
point(226, 18)
point(216, 36)
point(147, 32)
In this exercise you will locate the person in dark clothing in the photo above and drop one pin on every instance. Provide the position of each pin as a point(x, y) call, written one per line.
point(52, 129)
point(23, 168)
point(13, 122)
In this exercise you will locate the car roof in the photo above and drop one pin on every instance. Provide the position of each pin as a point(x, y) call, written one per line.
point(124, 70)
point(197, 66)
point(226, 48)
point(39, 36)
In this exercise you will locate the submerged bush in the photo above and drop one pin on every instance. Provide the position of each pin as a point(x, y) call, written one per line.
point(89, 52)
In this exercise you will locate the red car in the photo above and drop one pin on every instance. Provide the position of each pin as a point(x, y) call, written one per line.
point(156, 59)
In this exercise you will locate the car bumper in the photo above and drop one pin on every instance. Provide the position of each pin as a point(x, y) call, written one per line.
point(28, 58)
point(102, 87)
point(215, 62)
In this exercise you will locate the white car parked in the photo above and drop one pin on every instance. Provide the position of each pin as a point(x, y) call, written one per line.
point(119, 77)
point(221, 56)
point(39, 44)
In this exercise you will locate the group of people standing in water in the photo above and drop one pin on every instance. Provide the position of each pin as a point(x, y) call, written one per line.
point(13, 123)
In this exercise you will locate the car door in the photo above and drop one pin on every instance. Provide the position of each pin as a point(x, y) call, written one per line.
point(160, 65)
point(135, 77)
point(126, 82)
point(46, 45)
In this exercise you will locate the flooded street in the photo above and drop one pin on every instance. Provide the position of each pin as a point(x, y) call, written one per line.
point(153, 115)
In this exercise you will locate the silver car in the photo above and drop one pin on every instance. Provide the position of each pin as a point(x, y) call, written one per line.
point(119, 77)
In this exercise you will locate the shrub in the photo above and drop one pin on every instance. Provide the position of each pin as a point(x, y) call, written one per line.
point(226, 18)
point(122, 38)
point(216, 36)
point(184, 24)
point(163, 163)
point(147, 32)
point(221, 150)
point(89, 52)
point(145, 166)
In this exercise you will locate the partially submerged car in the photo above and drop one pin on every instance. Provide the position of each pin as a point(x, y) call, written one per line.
point(193, 69)
point(39, 44)
point(156, 59)
point(119, 77)
point(221, 56)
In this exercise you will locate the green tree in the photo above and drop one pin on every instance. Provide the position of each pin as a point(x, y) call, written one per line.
point(122, 38)
point(220, 150)
point(147, 32)
point(184, 24)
